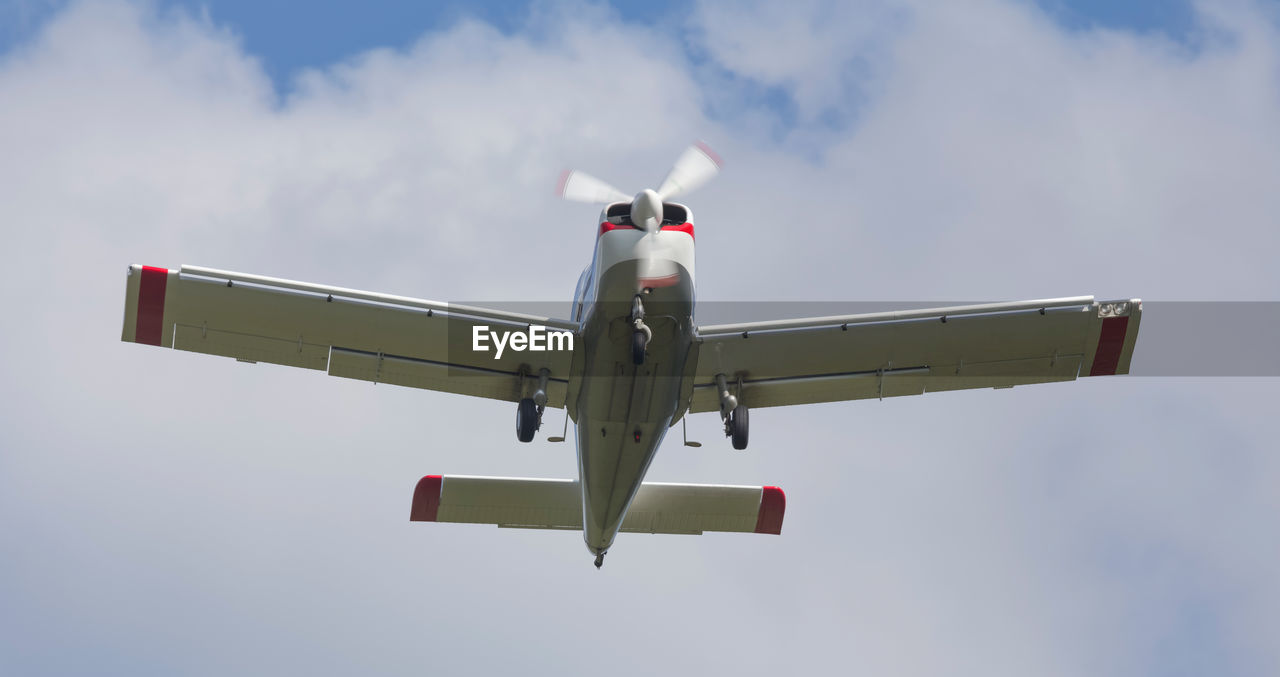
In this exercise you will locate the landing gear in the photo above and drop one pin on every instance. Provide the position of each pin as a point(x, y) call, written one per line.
point(639, 341)
point(599, 560)
point(529, 413)
point(736, 428)
point(641, 332)
point(733, 413)
point(528, 419)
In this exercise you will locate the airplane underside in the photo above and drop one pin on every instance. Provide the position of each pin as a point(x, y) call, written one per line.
point(635, 362)
point(623, 409)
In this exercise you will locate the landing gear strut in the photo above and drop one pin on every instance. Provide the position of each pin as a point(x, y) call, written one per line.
point(641, 333)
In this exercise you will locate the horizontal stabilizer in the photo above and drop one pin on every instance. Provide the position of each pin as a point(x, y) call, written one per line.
point(658, 508)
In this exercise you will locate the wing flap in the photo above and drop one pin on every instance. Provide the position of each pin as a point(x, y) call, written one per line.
point(658, 508)
point(413, 373)
point(250, 348)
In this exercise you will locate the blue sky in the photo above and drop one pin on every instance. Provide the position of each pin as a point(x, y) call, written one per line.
point(176, 513)
point(288, 39)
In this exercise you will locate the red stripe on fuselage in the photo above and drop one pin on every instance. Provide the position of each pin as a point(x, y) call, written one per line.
point(683, 228)
point(606, 227)
point(150, 322)
point(773, 503)
point(426, 499)
point(1110, 344)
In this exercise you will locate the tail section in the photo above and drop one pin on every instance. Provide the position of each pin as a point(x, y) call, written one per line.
point(658, 508)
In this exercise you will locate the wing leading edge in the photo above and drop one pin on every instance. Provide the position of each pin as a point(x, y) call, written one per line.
point(828, 359)
point(343, 332)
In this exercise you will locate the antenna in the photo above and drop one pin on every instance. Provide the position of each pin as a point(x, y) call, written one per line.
point(564, 433)
point(684, 421)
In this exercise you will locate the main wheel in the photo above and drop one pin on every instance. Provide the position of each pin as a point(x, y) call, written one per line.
point(526, 420)
point(738, 425)
point(638, 343)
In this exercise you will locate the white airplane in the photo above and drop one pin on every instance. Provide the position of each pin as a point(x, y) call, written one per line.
point(627, 365)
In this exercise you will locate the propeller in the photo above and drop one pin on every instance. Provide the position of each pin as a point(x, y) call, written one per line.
point(697, 165)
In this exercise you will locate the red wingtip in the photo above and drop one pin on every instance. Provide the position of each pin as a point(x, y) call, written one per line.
point(426, 499)
point(149, 325)
point(1110, 344)
point(773, 503)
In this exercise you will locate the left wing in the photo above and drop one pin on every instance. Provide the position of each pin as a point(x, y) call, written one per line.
point(344, 332)
point(828, 359)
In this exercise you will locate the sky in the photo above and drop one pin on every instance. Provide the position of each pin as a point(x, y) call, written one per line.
point(165, 512)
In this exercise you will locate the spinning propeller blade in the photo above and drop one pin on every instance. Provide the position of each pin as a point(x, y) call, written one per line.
point(580, 187)
point(696, 166)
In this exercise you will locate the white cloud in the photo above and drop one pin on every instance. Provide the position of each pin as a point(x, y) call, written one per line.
point(175, 512)
point(824, 55)
point(1141, 161)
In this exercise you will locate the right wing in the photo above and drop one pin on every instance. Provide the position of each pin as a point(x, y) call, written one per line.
point(344, 332)
point(658, 508)
point(999, 345)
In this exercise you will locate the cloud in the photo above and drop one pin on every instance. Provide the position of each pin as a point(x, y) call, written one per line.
point(992, 128)
point(175, 512)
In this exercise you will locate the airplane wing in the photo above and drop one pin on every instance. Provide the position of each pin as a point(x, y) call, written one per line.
point(343, 332)
point(877, 355)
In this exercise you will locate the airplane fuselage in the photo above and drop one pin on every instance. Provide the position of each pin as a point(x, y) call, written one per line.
point(622, 410)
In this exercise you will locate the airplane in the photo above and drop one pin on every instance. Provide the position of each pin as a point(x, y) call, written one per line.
point(629, 363)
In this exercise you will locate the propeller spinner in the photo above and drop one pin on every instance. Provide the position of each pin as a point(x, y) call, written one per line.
point(696, 166)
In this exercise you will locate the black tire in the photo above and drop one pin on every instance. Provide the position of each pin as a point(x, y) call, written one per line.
point(638, 343)
point(738, 423)
point(526, 420)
